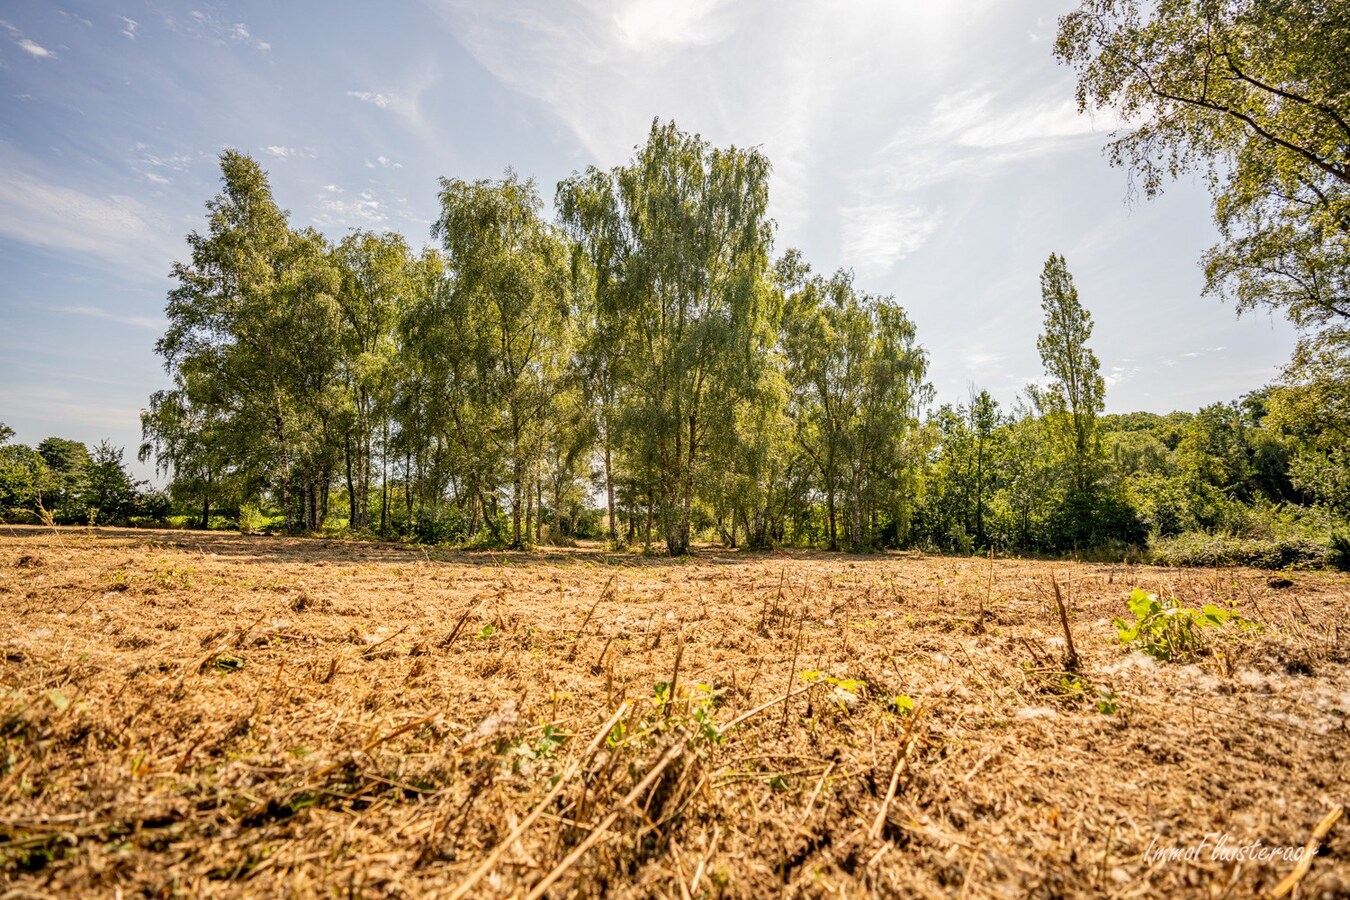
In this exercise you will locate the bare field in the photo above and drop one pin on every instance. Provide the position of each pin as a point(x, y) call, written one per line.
point(189, 714)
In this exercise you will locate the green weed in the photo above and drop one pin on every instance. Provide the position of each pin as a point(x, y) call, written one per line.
point(1170, 632)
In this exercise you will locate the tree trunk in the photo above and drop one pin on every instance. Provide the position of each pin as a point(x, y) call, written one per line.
point(408, 485)
point(384, 482)
point(517, 499)
point(351, 489)
point(206, 505)
point(609, 490)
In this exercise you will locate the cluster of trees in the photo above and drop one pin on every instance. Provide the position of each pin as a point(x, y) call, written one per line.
point(647, 348)
point(643, 367)
point(72, 484)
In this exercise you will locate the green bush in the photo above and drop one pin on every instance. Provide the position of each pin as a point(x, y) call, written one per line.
point(1197, 549)
point(442, 526)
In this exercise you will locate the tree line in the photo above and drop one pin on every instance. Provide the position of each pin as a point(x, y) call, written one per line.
point(645, 368)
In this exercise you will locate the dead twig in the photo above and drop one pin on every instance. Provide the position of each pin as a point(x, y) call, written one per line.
point(673, 752)
point(907, 744)
point(486, 865)
point(1291, 881)
point(576, 641)
point(1071, 657)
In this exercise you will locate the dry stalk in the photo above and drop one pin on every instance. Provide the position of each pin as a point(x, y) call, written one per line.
point(1291, 881)
point(907, 743)
point(792, 667)
point(486, 865)
point(673, 752)
point(576, 641)
point(1071, 657)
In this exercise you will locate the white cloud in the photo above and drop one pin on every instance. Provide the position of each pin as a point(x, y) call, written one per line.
point(277, 151)
point(177, 162)
point(877, 236)
point(36, 50)
point(240, 32)
point(151, 323)
point(646, 24)
point(406, 102)
point(366, 210)
point(36, 211)
point(383, 101)
point(224, 31)
point(129, 27)
point(155, 178)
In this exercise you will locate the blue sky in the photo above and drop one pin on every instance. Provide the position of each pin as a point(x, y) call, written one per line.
point(932, 147)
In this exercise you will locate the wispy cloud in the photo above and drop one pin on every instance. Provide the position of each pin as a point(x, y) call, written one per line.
point(156, 178)
point(40, 212)
point(383, 162)
point(877, 236)
point(224, 31)
point(405, 102)
point(335, 211)
point(50, 405)
point(383, 101)
point(35, 50)
point(151, 323)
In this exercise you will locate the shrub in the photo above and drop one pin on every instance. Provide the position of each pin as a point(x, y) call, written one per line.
point(1197, 549)
point(440, 526)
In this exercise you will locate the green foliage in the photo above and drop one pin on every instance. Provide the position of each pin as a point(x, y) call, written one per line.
point(1168, 631)
point(678, 241)
point(1252, 94)
point(107, 489)
point(251, 519)
point(440, 526)
point(252, 346)
point(1200, 549)
point(23, 476)
point(1076, 394)
point(650, 351)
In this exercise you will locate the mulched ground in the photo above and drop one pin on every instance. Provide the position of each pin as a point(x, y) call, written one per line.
point(212, 714)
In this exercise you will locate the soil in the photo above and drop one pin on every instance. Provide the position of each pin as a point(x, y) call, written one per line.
point(214, 714)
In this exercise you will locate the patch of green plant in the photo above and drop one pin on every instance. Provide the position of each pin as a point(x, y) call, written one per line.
point(1076, 687)
point(1211, 550)
point(1170, 632)
point(226, 662)
point(700, 704)
point(171, 577)
point(846, 691)
point(251, 519)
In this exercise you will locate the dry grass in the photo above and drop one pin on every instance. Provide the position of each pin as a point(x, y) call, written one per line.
point(213, 714)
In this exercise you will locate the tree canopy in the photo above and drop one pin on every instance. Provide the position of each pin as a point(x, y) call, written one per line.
point(1255, 94)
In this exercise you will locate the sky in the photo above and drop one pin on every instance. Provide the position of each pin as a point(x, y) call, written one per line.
point(931, 146)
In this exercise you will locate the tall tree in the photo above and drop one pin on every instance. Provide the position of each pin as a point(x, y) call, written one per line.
point(1256, 95)
point(377, 281)
point(511, 287)
point(684, 228)
point(253, 336)
point(1076, 394)
point(857, 383)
